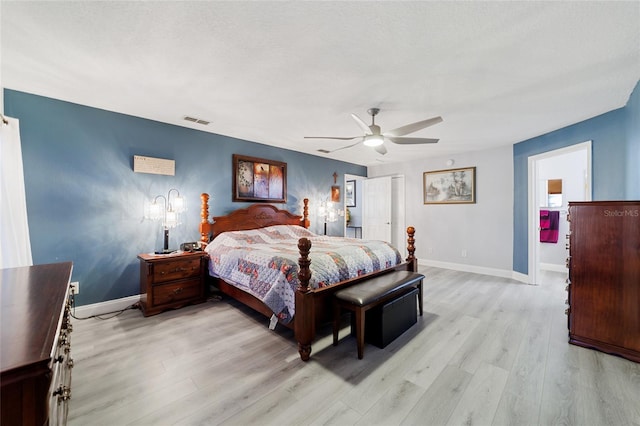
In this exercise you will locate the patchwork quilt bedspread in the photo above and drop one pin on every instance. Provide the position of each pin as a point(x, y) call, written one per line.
point(264, 262)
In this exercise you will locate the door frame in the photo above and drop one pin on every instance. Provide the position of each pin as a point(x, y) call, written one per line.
point(532, 193)
point(399, 217)
point(348, 177)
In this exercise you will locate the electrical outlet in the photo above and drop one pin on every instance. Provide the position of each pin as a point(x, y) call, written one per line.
point(430, 250)
point(75, 287)
point(464, 253)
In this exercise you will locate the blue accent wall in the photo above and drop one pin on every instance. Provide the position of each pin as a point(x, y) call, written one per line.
point(85, 203)
point(615, 158)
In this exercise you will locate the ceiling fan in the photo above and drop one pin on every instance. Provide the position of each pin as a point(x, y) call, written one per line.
point(375, 138)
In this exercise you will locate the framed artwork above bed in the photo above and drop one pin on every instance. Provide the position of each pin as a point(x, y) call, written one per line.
point(257, 179)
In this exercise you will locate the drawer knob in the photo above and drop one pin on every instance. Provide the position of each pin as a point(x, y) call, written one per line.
point(178, 290)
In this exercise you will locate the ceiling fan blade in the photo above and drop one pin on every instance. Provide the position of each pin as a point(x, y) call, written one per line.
point(380, 149)
point(413, 127)
point(364, 126)
point(411, 141)
point(332, 137)
point(338, 149)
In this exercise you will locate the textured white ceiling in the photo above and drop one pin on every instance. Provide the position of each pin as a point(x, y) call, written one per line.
point(274, 72)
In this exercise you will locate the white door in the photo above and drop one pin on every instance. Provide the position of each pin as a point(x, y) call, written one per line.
point(398, 226)
point(376, 209)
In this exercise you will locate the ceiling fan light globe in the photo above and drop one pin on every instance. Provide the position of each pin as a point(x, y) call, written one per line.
point(373, 140)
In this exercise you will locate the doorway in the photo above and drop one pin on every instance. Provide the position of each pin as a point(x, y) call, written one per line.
point(353, 205)
point(555, 178)
point(379, 210)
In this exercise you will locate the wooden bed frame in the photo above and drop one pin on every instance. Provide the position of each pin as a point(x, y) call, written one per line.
point(313, 306)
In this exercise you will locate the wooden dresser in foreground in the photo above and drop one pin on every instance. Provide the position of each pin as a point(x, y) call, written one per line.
point(171, 281)
point(35, 351)
point(604, 276)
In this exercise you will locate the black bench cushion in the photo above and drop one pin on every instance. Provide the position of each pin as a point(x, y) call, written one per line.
point(376, 288)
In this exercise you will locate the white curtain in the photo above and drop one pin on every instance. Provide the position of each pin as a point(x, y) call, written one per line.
point(15, 246)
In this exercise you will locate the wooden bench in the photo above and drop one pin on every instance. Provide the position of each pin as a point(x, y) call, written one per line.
point(361, 297)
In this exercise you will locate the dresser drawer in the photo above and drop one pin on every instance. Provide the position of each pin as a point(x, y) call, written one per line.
point(176, 291)
point(176, 270)
point(60, 391)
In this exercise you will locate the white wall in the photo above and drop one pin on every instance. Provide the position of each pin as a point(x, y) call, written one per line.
point(483, 229)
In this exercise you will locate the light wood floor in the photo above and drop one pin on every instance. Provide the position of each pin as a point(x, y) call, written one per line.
point(488, 351)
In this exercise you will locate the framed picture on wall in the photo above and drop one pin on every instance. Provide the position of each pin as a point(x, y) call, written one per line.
point(350, 193)
point(257, 179)
point(335, 194)
point(454, 186)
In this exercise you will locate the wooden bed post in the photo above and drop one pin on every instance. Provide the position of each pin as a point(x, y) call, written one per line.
point(304, 318)
point(204, 215)
point(305, 214)
point(411, 259)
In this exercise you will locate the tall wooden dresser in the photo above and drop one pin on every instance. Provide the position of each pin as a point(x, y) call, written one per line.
point(35, 345)
point(604, 276)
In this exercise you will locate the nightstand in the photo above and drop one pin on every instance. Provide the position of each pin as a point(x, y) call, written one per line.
point(171, 281)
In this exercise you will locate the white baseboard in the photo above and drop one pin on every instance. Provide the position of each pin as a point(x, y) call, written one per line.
point(553, 267)
point(105, 307)
point(519, 276)
point(472, 268)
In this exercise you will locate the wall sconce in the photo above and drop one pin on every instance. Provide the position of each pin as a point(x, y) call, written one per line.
point(168, 212)
point(329, 213)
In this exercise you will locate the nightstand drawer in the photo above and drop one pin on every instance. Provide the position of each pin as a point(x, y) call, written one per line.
point(176, 269)
point(176, 291)
point(171, 282)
